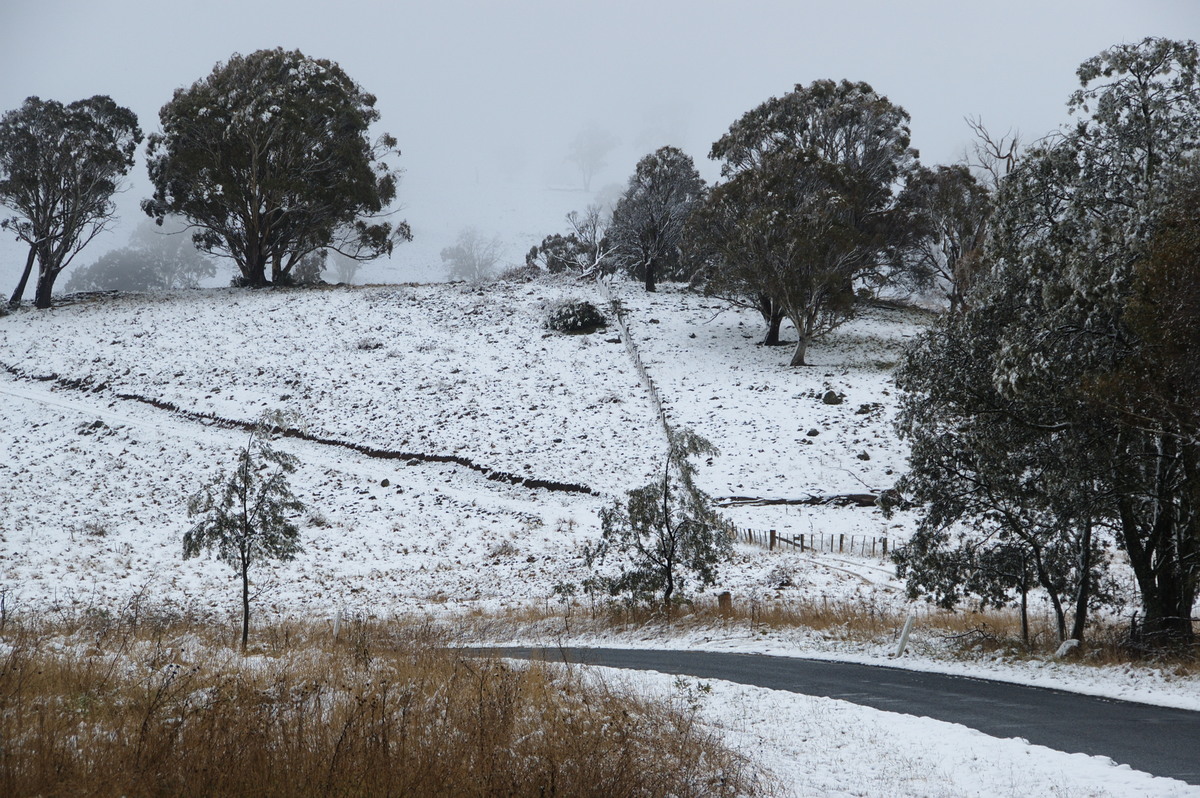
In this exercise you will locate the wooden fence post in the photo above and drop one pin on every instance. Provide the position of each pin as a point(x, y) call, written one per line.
point(885, 547)
point(842, 543)
point(771, 547)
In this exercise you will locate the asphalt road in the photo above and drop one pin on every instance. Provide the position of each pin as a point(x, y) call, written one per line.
point(1157, 740)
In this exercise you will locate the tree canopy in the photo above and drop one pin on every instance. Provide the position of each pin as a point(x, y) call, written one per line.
point(805, 209)
point(648, 221)
point(59, 168)
point(269, 158)
point(1089, 227)
point(666, 531)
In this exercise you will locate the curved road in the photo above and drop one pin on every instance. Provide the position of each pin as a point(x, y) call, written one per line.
point(1157, 740)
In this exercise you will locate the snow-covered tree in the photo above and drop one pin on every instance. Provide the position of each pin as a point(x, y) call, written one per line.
point(948, 211)
point(648, 221)
point(1007, 507)
point(59, 168)
point(665, 532)
point(805, 212)
point(1046, 354)
point(269, 159)
point(246, 516)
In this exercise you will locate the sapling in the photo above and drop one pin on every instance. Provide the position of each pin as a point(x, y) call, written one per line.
point(245, 516)
point(665, 531)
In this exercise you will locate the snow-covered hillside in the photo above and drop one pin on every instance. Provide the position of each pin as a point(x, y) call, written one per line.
point(112, 411)
point(102, 458)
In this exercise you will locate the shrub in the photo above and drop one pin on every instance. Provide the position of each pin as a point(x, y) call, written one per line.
point(574, 316)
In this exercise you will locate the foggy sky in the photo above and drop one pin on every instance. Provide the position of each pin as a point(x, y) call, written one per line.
point(485, 97)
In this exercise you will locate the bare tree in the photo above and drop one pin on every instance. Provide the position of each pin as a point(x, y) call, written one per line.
point(991, 158)
point(589, 151)
point(472, 257)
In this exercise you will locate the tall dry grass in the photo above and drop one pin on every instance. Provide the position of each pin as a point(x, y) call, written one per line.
point(962, 633)
point(94, 707)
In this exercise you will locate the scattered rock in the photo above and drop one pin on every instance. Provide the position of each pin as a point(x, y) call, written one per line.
point(864, 456)
point(385, 483)
point(812, 433)
point(833, 398)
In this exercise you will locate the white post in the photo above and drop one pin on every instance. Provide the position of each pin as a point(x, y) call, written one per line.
point(908, 625)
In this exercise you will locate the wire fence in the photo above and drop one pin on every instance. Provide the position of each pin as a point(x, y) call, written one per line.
point(839, 543)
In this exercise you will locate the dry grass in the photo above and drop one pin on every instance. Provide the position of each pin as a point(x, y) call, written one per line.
point(959, 633)
point(96, 706)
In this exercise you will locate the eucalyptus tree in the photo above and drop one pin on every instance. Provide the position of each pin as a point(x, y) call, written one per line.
point(806, 210)
point(648, 221)
point(152, 260)
point(666, 531)
point(59, 168)
point(246, 516)
point(1055, 348)
point(948, 210)
point(269, 158)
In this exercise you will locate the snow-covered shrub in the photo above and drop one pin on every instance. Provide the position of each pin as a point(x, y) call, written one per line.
point(574, 316)
point(520, 274)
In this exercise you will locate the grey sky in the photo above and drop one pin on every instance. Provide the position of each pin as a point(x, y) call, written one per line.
point(484, 97)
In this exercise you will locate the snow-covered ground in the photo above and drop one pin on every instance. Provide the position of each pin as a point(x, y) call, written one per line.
point(94, 482)
point(95, 512)
point(823, 746)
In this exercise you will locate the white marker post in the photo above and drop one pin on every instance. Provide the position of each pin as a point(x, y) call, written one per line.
point(908, 625)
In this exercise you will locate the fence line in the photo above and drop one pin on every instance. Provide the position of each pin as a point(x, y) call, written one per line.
point(841, 543)
point(618, 313)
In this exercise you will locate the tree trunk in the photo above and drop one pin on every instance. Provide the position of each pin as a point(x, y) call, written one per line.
point(773, 318)
point(801, 349)
point(45, 288)
point(1163, 551)
point(1025, 613)
point(1085, 583)
point(20, 292)
point(651, 268)
point(773, 325)
point(245, 604)
point(1060, 617)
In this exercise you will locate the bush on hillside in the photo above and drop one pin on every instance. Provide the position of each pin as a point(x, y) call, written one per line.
point(574, 316)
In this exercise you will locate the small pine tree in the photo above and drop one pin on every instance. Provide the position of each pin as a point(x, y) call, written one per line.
point(664, 531)
point(245, 516)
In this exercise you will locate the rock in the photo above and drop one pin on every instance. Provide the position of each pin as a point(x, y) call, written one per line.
point(864, 456)
point(384, 483)
point(832, 398)
point(812, 433)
